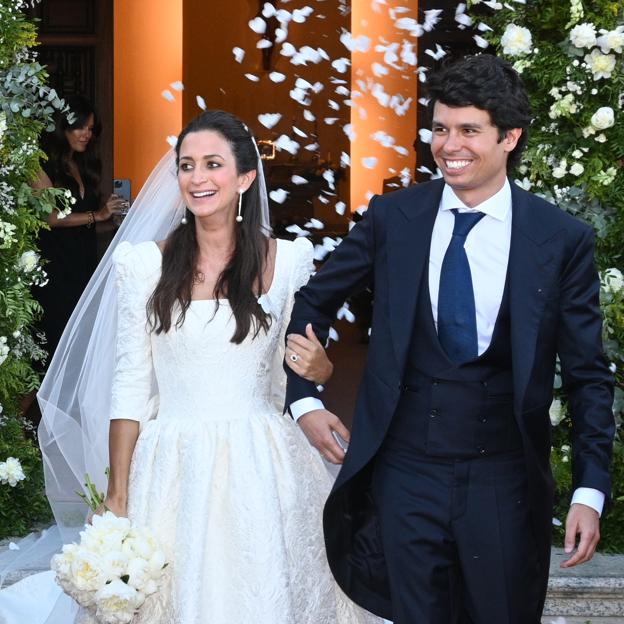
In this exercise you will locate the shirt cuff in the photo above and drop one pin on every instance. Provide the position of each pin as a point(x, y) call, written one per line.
point(590, 497)
point(303, 406)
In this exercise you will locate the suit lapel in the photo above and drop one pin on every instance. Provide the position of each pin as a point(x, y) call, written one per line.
point(531, 267)
point(410, 225)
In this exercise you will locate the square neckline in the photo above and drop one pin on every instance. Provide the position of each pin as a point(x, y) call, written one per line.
point(279, 244)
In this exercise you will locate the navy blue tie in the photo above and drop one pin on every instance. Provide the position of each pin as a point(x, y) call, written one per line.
point(457, 320)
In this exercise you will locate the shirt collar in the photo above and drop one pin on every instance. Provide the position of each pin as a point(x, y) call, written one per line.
point(497, 206)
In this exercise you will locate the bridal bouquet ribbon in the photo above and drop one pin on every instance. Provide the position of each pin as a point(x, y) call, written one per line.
point(112, 570)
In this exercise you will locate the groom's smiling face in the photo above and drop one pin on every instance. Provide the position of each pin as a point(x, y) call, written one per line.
point(469, 150)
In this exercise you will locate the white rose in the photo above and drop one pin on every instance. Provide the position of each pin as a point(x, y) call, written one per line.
point(516, 40)
point(613, 280)
point(28, 261)
point(611, 40)
point(116, 603)
point(583, 35)
point(601, 65)
point(601, 138)
point(577, 169)
point(556, 412)
point(603, 118)
point(11, 472)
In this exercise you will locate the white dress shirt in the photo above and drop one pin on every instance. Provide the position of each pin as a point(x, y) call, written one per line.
point(487, 249)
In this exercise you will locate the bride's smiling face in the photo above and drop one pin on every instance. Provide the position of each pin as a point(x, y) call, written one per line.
point(208, 177)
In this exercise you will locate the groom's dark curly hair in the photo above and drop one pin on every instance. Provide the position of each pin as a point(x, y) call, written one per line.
point(490, 84)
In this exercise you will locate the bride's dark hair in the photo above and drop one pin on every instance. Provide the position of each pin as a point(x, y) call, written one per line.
point(241, 280)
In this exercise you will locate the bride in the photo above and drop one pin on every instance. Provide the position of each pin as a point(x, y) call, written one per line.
point(199, 450)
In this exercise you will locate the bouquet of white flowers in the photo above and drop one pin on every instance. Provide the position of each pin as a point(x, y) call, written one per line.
point(113, 568)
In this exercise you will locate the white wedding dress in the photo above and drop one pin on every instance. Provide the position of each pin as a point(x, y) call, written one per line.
point(229, 485)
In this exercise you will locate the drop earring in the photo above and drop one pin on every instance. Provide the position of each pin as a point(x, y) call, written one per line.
point(239, 216)
point(184, 219)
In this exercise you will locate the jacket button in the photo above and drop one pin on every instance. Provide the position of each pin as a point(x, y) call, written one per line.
point(481, 450)
point(434, 413)
point(483, 420)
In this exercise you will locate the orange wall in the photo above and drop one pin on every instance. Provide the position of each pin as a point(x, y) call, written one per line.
point(148, 57)
point(365, 20)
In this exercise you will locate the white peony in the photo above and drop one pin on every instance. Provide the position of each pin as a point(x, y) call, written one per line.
point(611, 40)
point(11, 472)
point(516, 40)
point(601, 65)
point(603, 118)
point(86, 571)
point(583, 35)
point(117, 602)
point(613, 280)
point(28, 261)
point(556, 412)
point(577, 169)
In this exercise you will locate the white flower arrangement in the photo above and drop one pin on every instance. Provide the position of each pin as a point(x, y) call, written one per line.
point(583, 35)
point(611, 40)
point(516, 40)
point(11, 472)
point(612, 280)
point(556, 412)
point(112, 570)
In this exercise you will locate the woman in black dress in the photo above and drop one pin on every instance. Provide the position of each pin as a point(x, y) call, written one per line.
point(69, 246)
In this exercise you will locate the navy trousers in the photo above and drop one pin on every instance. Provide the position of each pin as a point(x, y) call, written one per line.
point(457, 539)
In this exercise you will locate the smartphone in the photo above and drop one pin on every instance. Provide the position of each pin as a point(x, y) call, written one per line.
point(121, 188)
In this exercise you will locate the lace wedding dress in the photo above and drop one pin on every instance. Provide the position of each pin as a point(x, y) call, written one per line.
point(229, 485)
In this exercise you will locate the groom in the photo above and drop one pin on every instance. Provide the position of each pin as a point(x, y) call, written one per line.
point(442, 510)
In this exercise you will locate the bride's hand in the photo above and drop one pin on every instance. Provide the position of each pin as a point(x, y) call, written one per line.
point(116, 505)
point(306, 357)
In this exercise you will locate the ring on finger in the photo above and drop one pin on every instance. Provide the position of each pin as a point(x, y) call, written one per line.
point(294, 357)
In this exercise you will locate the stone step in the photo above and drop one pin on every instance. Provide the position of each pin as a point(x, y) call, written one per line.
point(592, 592)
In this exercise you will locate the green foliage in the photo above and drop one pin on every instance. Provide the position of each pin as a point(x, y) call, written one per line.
point(24, 504)
point(575, 158)
point(26, 108)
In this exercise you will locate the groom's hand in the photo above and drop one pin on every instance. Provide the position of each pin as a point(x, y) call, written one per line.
point(584, 521)
point(318, 425)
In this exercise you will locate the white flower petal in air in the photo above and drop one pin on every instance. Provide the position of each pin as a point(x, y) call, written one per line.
point(298, 132)
point(323, 199)
point(178, 85)
point(312, 147)
point(483, 27)
point(348, 130)
point(330, 121)
point(423, 101)
point(288, 49)
point(370, 162)
point(314, 224)
point(379, 69)
point(252, 77)
point(341, 90)
point(425, 135)
point(263, 44)
point(341, 65)
point(13, 546)
point(359, 44)
point(328, 176)
point(320, 253)
point(201, 102)
point(277, 77)
point(333, 105)
point(295, 229)
point(268, 10)
point(317, 87)
point(333, 335)
point(408, 54)
point(281, 34)
point(284, 142)
point(406, 176)
point(345, 160)
point(308, 115)
point(299, 95)
point(279, 195)
point(432, 17)
point(168, 95)
point(340, 207)
point(172, 140)
point(258, 25)
point(301, 83)
point(239, 54)
point(297, 179)
point(269, 120)
point(438, 54)
point(345, 313)
point(480, 41)
point(383, 138)
point(399, 149)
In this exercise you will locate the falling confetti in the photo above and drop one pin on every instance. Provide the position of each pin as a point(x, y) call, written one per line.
point(201, 102)
point(279, 195)
point(239, 54)
point(269, 120)
point(177, 85)
point(168, 95)
point(370, 162)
